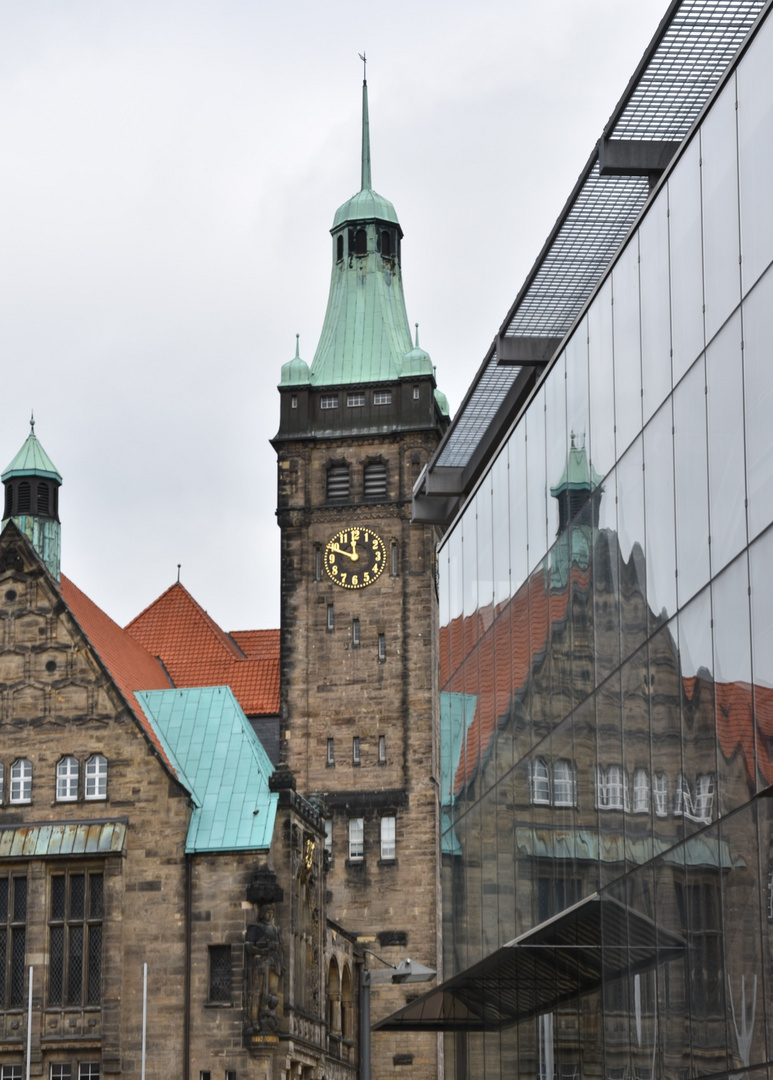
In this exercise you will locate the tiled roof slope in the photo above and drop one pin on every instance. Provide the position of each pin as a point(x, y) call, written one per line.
point(211, 741)
point(196, 652)
point(128, 663)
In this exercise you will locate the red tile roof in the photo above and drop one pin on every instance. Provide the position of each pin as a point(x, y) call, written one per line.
point(130, 666)
point(196, 652)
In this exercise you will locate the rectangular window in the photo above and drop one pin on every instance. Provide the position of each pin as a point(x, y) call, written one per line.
point(331, 751)
point(328, 401)
point(394, 558)
point(294, 401)
point(382, 749)
point(75, 939)
point(11, 1072)
point(318, 563)
point(230, 1074)
point(356, 838)
point(415, 393)
point(354, 401)
point(13, 939)
point(355, 633)
point(60, 1072)
point(329, 836)
point(387, 838)
point(220, 973)
point(88, 1070)
point(356, 750)
point(660, 793)
point(381, 648)
point(205, 1074)
point(641, 791)
point(382, 397)
point(331, 617)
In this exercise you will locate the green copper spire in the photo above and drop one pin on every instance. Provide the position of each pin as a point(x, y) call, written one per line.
point(296, 371)
point(32, 484)
point(365, 334)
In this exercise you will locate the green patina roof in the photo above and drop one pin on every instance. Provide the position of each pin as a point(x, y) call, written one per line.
point(222, 763)
point(417, 361)
point(32, 460)
point(296, 371)
point(578, 474)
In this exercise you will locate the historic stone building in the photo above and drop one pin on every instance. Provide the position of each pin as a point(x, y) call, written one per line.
point(143, 823)
point(358, 616)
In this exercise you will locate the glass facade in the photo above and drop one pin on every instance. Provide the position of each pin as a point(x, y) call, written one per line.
point(606, 639)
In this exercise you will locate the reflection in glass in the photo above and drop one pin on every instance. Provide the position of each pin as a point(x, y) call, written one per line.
point(659, 503)
point(557, 444)
point(727, 479)
point(601, 375)
point(684, 200)
point(758, 377)
point(630, 523)
point(733, 689)
point(721, 245)
point(627, 345)
point(760, 562)
point(501, 534)
point(691, 471)
point(536, 480)
point(517, 489)
point(694, 797)
point(655, 308)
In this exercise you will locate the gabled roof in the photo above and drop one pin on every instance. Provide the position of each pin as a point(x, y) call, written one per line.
point(196, 652)
point(215, 750)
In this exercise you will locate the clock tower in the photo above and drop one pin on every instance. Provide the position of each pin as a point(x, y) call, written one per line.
point(358, 626)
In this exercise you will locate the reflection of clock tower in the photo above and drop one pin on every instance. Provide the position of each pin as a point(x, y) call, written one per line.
point(358, 620)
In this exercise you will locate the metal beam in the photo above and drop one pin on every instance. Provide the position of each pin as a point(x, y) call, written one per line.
point(634, 157)
point(523, 351)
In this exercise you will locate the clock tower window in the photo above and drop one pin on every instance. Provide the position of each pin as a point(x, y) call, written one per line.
point(338, 483)
point(375, 480)
point(331, 617)
point(381, 648)
point(355, 633)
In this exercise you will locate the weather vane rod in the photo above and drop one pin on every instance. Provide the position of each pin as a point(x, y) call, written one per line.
point(364, 66)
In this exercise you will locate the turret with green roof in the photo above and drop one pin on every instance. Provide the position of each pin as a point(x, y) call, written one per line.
point(32, 484)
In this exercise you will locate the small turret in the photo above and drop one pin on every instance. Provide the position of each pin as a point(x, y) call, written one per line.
point(296, 371)
point(32, 485)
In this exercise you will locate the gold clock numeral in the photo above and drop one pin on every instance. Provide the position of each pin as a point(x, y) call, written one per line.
point(378, 556)
point(333, 569)
point(366, 577)
point(355, 580)
point(344, 577)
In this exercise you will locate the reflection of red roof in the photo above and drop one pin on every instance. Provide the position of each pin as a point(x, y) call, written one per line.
point(130, 666)
point(737, 706)
point(196, 652)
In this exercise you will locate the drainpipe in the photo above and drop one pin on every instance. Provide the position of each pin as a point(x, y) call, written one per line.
point(188, 935)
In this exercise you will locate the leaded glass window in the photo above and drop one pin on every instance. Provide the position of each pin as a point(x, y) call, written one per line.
point(220, 973)
point(75, 938)
point(13, 939)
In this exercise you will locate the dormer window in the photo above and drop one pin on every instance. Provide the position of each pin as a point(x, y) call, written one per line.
point(382, 397)
point(328, 401)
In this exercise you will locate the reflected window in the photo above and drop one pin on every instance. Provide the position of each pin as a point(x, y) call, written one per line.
point(540, 782)
point(612, 788)
point(564, 785)
point(641, 791)
point(695, 803)
point(660, 793)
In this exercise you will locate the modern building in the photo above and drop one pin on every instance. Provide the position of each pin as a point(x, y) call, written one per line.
point(358, 603)
point(606, 605)
point(162, 884)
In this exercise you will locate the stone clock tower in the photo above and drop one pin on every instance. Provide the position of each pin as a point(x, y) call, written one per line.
point(358, 653)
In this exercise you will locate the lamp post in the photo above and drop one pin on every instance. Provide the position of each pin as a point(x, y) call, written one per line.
point(407, 971)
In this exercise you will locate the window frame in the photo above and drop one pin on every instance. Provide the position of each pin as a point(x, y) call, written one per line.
point(382, 749)
point(356, 759)
point(67, 777)
point(96, 779)
point(328, 401)
point(567, 783)
point(331, 751)
point(355, 400)
point(539, 777)
point(75, 938)
point(382, 397)
point(224, 952)
point(21, 784)
point(356, 839)
point(388, 844)
point(13, 932)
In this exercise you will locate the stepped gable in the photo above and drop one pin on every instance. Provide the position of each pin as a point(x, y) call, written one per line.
point(196, 652)
point(131, 667)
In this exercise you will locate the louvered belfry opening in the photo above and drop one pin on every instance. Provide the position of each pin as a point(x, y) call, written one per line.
point(338, 483)
point(23, 499)
point(375, 481)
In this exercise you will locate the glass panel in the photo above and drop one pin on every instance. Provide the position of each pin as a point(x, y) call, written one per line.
point(501, 534)
point(627, 346)
point(691, 470)
point(601, 374)
point(518, 523)
point(56, 966)
point(556, 441)
point(611, 787)
point(630, 521)
point(732, 671)
point(684, 198)
point(721, 244)
point(727, 480)
point(636, 758)
point(536, 479)
point(758, 377)
point(655, 307)
point(659, 503)
point(695, 798)
point(755, 152)
point(577, 404)
point(606, 583)
point(760, 562)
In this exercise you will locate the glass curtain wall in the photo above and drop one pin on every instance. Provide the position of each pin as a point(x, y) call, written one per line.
point(606, 604)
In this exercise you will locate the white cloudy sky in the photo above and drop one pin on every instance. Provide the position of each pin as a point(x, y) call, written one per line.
point(169, 170)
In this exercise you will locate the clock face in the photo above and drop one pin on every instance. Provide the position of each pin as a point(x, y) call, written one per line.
point(355, 557)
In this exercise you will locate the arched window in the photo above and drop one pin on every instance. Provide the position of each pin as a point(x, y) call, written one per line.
point(375, 480)
point(360, 242)
point(96, 777)
point(613, 789)
point(43, 498)
point(641, 792)
point(540, 782)
point(21, 781)
point(334, 998)
point(340, 248)
point(386, 243)
point(660, 793)
point(563, 784)
point(347, 1005)
point(8, 501)
point(338, 483)
point(67, 780)
point(23, 504)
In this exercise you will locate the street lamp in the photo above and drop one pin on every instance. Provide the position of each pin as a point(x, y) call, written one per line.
point(407, 971)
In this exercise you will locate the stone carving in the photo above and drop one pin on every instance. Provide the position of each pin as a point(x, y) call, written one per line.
point(264, 964)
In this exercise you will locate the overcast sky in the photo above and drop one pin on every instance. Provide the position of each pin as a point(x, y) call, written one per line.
point(169, 172)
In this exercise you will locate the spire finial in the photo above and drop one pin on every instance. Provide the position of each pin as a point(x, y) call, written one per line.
point(32, 421)
point(366, 181)
point(297, 346)
point(417, 335)
point(179, 565)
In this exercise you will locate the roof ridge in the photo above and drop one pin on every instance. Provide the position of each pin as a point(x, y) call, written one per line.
point(230, 647)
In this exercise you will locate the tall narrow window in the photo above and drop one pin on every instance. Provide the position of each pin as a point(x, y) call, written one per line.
point(43, 498)
point(329, 837)
point(375, 480)
point(220, 973)
point(356, 750)
point(338, 483)
point(386, 243)
point(24, 501)
point(540, 782)
point(382, 749)
point(356, 838)
point(2, 782)
point(331, 617)
point(67, 780)
point(388, 837)
point(339, 247)
point(641, 792)
point(317, 562)
point(75, 939)
point(331, 751)
point(563, 784)
point(360, 242)
point(394, 558)
point(704, 797)
point(293, 401)
point(96, 777)
point(13, 939)
point(381, 648)
point(355, 633)
point(416, 393)
point(21, 781)
point(660, 793)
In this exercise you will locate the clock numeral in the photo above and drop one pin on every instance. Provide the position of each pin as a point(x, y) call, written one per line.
point(344, 577)
point(366, 577)
point(378, 556)
point(331, 559)
point(355, 580)
point(333, 569)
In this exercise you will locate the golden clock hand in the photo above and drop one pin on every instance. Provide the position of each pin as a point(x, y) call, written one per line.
point(341, 551)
